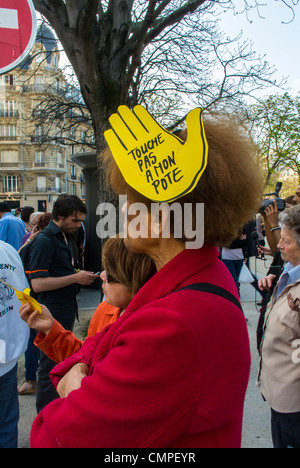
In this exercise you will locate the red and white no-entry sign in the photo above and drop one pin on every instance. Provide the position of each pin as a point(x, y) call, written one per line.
point(17, 32)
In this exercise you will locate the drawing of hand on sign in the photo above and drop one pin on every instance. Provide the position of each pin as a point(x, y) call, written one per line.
point(156, 163)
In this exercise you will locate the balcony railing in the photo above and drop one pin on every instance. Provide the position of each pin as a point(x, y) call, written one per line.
point(10, 165)
point(43, 88)
point(38, 138)
point(9, 113)
point(11, 190)
point(8, 138)
point(43, 139)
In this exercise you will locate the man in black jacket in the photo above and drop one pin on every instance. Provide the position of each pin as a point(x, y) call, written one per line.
point(53, 277)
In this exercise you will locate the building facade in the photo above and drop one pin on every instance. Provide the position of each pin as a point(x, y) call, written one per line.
point(35, 151)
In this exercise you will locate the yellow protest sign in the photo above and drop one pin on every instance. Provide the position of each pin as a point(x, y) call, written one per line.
point(25, 298)
point(153, 161)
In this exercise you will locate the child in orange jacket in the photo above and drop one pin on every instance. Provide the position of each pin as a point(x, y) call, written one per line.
point(125, 273)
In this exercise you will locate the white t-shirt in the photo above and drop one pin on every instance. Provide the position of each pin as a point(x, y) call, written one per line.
point(232, 254)
point(14, 333)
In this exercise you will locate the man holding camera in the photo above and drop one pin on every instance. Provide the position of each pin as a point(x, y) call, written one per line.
point(296, 198)
point(272, 228)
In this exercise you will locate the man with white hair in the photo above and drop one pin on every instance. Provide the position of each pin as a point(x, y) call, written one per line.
point(14, 336)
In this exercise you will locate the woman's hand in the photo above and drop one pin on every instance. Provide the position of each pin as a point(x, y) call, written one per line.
point(35, 231)
point(72, 380)
point(266, 282)
point(41, 322)
point(293, 303)
point(265, 250)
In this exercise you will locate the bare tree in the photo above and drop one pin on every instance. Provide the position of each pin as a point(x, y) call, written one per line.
point(192, 64)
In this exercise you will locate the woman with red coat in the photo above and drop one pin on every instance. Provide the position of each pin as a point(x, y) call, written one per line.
point(173, 370)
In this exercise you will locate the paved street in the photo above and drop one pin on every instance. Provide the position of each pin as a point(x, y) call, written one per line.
point(256, 433)
point(257, 427)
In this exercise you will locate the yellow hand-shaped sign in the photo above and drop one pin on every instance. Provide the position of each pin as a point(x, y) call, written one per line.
point(25, 298)
point(156, 163)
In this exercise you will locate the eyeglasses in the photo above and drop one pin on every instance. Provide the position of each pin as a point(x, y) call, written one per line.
point(111, 279)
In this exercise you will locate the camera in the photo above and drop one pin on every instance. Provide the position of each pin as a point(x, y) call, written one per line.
point(279, 201)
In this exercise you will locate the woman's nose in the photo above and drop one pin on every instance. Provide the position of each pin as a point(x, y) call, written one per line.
point(103, 275)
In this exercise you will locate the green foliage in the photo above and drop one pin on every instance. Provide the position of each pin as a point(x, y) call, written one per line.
point(276, 131)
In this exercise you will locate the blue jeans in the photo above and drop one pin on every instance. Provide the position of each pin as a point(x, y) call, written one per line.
point(32, 357)
point(235, 267)
point(9, 410)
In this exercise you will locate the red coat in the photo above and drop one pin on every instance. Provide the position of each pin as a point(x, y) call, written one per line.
point(171, 372)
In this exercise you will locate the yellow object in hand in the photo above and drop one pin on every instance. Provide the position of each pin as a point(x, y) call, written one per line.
point(25, 298)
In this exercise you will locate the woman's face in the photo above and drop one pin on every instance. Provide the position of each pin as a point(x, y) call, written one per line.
point(289, 247)
point(115, 293)
point(34, 223)
point(137, 227)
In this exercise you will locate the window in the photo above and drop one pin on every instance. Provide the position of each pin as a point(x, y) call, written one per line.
point(8, 132)
point(55, 61)
point(57, 185)
point(73, 172)
point(10, 184)
point(73, 189)
point(59, 138)
point(9, 157)
point(38, 109)
point(83, 135)
point(38, 133)
point(41, 184)
point(8, 108)
point(60, 162)
point(38, 79)
point(7, 80)
point(39, 159)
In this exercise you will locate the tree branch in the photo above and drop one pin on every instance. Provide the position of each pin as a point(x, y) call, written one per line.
point(51, 9)
point(140, 40)
point(174, 17)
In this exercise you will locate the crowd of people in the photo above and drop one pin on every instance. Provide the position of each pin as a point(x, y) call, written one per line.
point(278, 325)
point(166, 362)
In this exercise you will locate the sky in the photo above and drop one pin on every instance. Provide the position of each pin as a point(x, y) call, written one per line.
point(275, 34)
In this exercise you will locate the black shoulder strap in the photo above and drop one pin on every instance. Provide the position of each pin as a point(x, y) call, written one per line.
point(213, 289)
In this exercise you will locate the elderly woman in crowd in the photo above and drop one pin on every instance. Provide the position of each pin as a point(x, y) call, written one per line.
point(173, 370)
point(279, 374)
